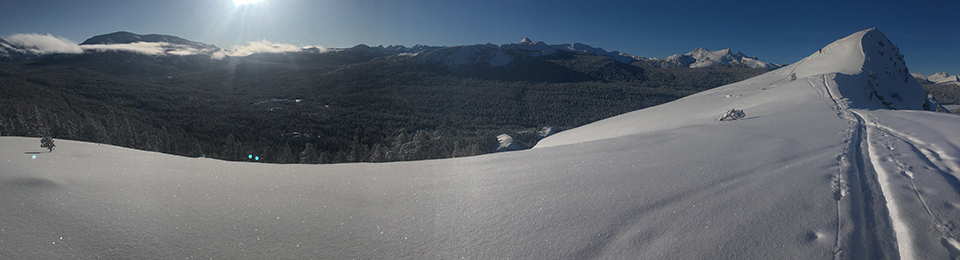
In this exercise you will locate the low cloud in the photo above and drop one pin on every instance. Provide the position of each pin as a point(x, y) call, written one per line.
point(43, 43)
point(262, 46)
point(147, 48)
point(314, 48)
point(46, 44)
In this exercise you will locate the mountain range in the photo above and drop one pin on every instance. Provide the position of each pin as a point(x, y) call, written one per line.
point(358, 104)
point(455, 56)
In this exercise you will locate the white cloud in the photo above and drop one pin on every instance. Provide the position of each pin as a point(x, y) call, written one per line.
point(262, 46)
point(43, 43)
point(318, 47)
point(148, 48)
point(46, 44)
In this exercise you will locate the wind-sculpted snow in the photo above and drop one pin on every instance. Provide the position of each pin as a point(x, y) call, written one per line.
point(811, 172)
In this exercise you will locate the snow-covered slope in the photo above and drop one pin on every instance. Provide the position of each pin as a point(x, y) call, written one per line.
point(817, 170)
point(837, 102)
point(702, 58)
point(871, 74)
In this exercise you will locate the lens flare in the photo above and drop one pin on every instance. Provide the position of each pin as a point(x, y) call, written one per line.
point(245, 2)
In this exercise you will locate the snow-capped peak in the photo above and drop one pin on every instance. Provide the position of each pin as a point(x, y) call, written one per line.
point(525, 41)
point(937, 78)
point(871, 72)
point(702, 57)
point(943, 77)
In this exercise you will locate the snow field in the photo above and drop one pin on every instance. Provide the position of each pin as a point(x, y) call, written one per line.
point(817, 169)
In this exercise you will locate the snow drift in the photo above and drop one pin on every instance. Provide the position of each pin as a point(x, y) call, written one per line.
point(819, 168)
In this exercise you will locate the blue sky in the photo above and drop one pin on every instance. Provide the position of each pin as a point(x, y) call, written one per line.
point(927, 31)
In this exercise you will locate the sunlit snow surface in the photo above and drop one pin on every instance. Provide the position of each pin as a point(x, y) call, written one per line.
point(803, 176)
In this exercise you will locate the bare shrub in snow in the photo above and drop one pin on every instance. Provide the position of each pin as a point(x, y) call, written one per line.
point(47, 142)
point(732, 114)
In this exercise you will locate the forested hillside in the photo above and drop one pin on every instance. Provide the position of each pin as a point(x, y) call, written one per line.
point(354, 105)
point(947, 93)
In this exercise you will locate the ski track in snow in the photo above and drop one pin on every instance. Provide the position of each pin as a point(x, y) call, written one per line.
point(883, 229)
point(859, 219)
point(892, 170)
point(870, 162)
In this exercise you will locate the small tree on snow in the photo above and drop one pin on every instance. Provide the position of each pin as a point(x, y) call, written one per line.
point(732, 114)
point(47, 142)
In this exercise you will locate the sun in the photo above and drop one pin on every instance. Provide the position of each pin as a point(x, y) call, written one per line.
point(245, 2)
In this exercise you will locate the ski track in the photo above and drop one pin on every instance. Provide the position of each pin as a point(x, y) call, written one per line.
point(932, 155)
point(863, 230)
point(877, 182)
point(865, 184)
point(839, 181)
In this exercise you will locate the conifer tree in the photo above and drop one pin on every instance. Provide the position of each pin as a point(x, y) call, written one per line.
point(197, 150)
point(287, 155)
point(37, 126)
point(309, 155)
point(94, 131)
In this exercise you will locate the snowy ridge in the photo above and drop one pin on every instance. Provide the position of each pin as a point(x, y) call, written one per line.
point(819, 168)
point(702, 58)
point(866, 85)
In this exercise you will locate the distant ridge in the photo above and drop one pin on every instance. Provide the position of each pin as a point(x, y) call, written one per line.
point(449, 56)
point(123, 37)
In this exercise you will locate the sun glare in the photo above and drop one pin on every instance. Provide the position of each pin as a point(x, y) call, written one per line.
point(245, 2)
